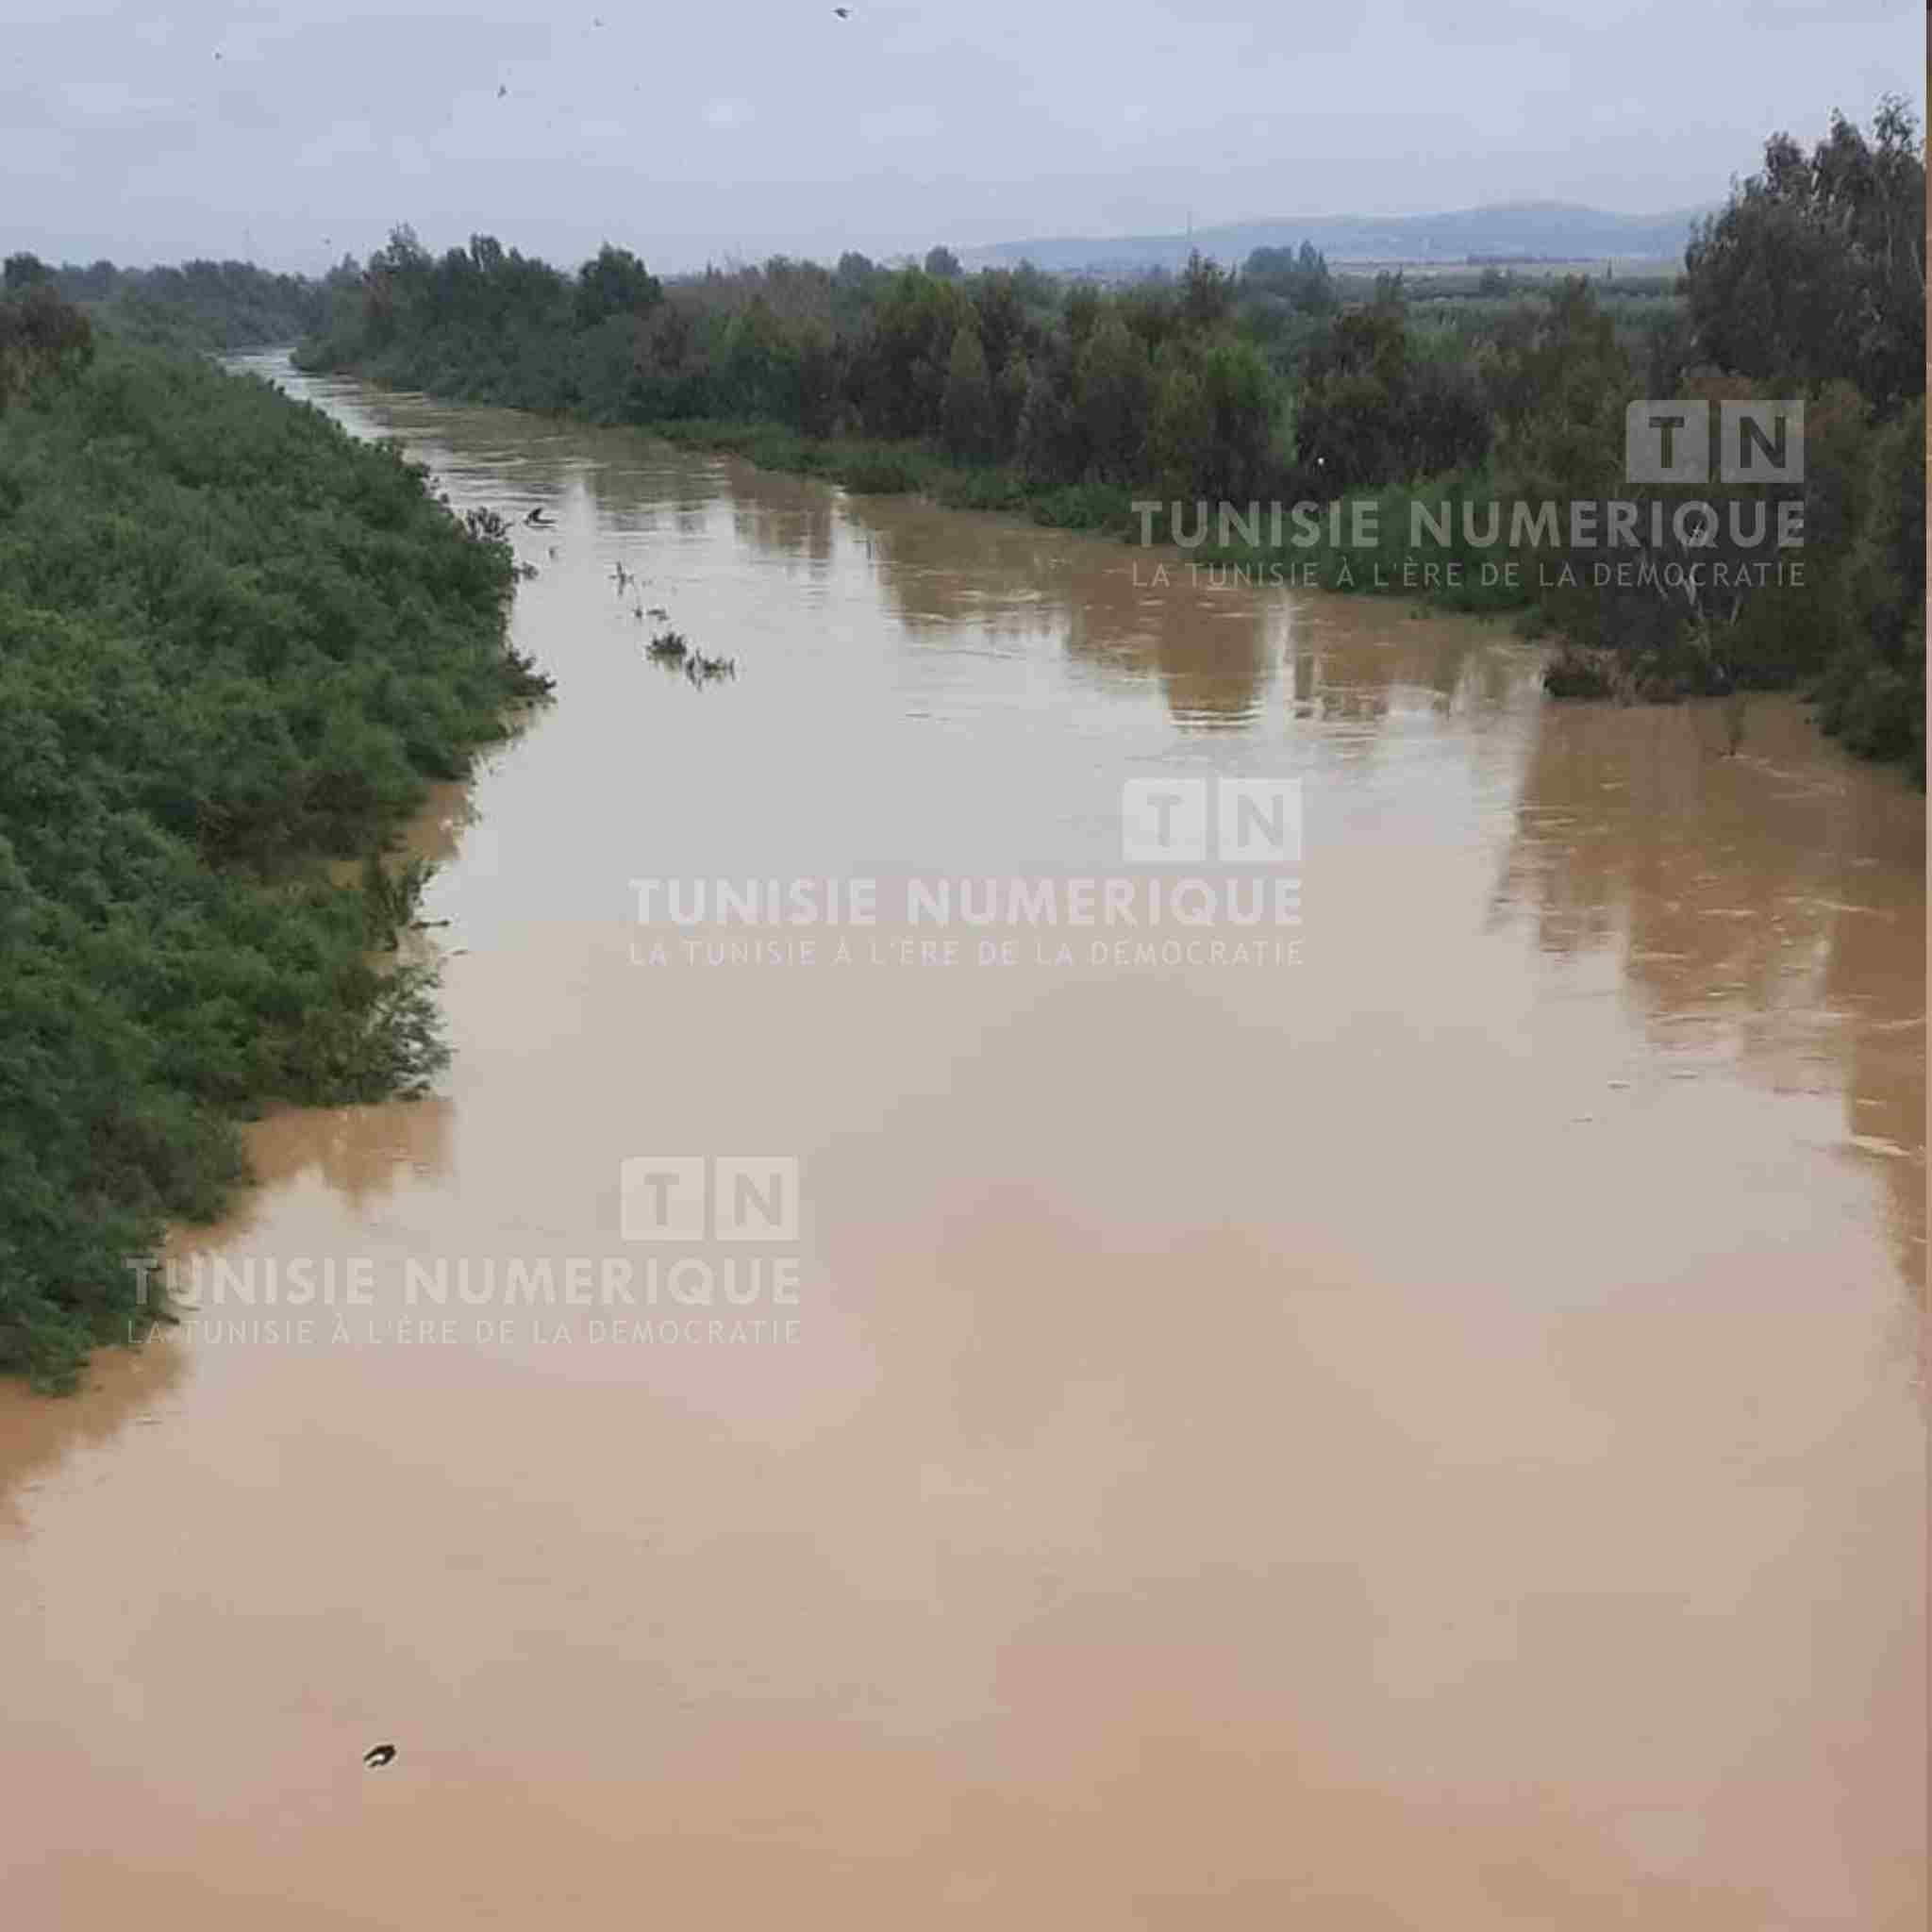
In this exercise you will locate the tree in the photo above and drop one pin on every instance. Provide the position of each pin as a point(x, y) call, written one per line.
point(821, 373)
point(674, 365)
point(1000, 315)
point(943, 263)
point(1375, 410)
point(616, 283)
point(1240, 405)
point(1300, 277)
point(1559, 384)
point(1049, 445)
point(1349, 426)
point(1313, 287)
point(22, 272)
point(1009, 400)
point(1082, 313)
point(41, 339)
point(605, 365)
point(757, 367)
point(1874, 694)
point(1816, 266)
point(1180, 432)
point(1113, 387)
point(1207, 293)
point(967, 419)
point(900, 371)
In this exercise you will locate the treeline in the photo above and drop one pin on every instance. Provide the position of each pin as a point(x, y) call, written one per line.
point(1283, 381)
point(1809, 285)
point(212, 305)
point(233, 641)
point(1070, 388)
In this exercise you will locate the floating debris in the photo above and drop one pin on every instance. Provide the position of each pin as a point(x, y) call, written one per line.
point(675, 651)
point(701, 670)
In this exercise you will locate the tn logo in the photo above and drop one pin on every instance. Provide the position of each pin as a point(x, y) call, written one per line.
point(1758, 442)
point(690, 1197)
point(1256, 821)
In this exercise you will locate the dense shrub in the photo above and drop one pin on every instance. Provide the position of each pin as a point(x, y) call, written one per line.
point(232, 639)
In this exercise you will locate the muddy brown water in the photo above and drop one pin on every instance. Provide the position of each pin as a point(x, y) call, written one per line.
point(1429, 1433)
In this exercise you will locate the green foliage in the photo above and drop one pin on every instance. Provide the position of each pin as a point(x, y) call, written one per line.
point(1874, 694)
point(232, 640)
point(966, 409)
point(212, 305)
point(42, 339)
point(1480, 386)
point(22, 272)
point(1113, 390)
point(615, 284)
point(1207, 293)
point(1558, 383)
point(985, 369)
point(1300, 277)
point(1372, 409)
point(1816, 268)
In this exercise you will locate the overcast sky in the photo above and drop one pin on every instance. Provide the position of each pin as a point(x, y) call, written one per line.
point(745, 126)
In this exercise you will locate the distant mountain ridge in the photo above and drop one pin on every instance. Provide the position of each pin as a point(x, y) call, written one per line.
point(1549, 229)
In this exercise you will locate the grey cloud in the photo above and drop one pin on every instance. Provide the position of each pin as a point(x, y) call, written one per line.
point(701, 131)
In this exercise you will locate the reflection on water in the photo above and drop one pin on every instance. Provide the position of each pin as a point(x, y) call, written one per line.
point(1764, 912)
point(1418, 1438)
point(356, 1151)
point(125, 1386)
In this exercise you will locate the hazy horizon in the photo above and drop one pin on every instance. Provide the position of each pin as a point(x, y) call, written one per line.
point(782, 128)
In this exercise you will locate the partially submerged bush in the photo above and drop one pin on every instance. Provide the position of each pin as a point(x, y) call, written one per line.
point(1576, 672)
point(232, 640)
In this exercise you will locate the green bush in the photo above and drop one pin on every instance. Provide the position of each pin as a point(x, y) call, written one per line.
point(232, 640)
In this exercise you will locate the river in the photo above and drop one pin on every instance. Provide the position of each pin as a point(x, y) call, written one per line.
point(1418, 1422)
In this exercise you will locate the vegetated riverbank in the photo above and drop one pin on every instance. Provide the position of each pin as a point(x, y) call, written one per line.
point(234, 643)
point(1720, 960)
point(216, 307)
point(1845, 627)
point(1279, 382)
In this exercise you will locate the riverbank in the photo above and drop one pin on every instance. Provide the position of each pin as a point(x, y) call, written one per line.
point(1838, 630)
point(1329, 551)
point(234, 644)
point(1366, 545)
point(1078, 1247)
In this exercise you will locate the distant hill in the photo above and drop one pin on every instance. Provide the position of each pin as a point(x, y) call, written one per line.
point(1548, 230)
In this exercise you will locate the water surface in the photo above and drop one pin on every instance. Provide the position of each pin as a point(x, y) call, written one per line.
point(1426, 1435)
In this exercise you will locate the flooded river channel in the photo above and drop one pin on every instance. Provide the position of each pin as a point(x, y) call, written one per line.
point(1411, 1419)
